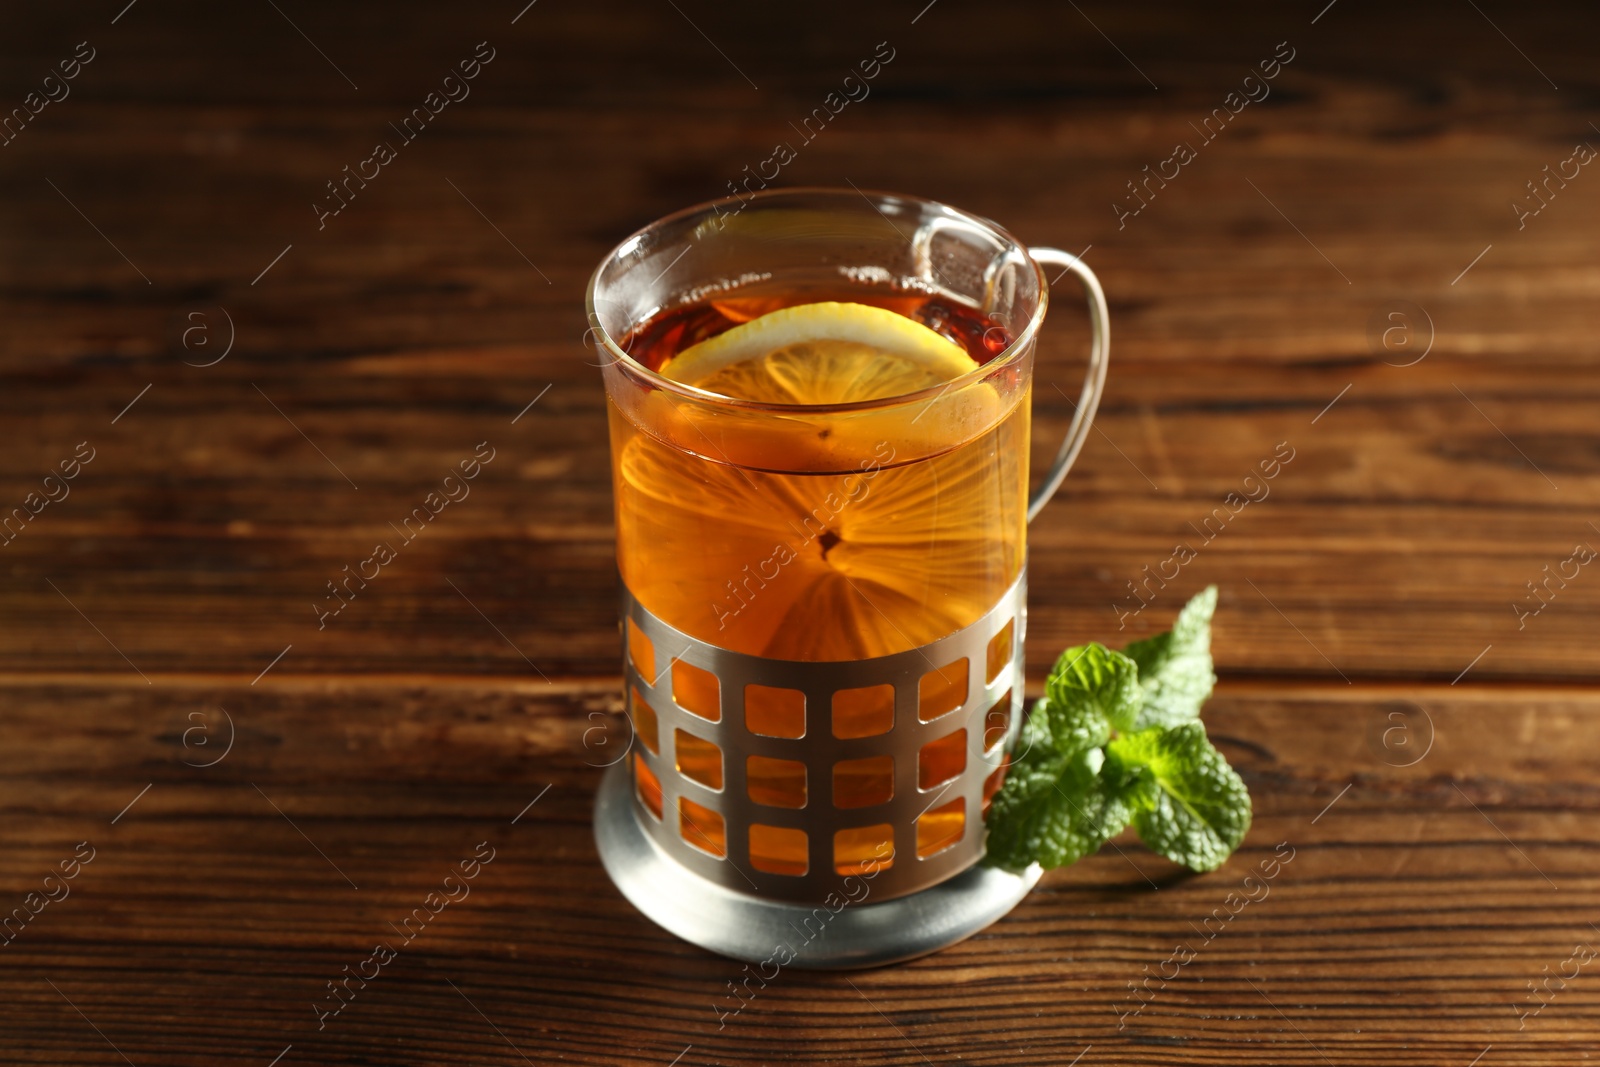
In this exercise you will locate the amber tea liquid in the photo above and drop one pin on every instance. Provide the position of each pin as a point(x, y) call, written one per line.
point(888, 555)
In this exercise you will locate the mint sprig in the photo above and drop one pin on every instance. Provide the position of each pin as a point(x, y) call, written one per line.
point(1117, 741)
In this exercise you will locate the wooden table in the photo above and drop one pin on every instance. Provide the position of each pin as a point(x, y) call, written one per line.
point(1339, 268)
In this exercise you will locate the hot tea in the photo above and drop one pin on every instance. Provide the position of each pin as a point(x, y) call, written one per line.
point(827, 565)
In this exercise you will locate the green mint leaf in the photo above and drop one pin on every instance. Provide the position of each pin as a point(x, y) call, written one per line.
point(1200, 809)
point(1116, 740)
point(1130, 779)
point(1092, 690)
point(1175, 672)
point(1054, 810)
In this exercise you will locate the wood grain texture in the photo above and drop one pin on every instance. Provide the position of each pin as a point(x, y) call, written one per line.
point(1402, 929)
point(1368, 600)
point(1447, 509)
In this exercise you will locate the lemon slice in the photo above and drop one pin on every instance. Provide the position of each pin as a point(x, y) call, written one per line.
point(822, 567)
point(822, 353)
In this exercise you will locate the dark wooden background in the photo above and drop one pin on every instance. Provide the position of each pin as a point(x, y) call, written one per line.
point(1430, 761)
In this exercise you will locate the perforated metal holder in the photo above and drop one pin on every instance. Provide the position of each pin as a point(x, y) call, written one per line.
point(879, 882)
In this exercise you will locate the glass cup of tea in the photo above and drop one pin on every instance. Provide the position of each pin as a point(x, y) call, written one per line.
point(819, 405)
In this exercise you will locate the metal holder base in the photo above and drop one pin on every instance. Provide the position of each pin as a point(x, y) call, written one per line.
point(849, 932)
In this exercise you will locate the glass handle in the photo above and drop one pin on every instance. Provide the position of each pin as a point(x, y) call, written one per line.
point(1094, 379)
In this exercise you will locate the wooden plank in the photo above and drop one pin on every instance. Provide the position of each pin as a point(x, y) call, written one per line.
point(1398, 541)
point(1397, 544)
point(1414, 909)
